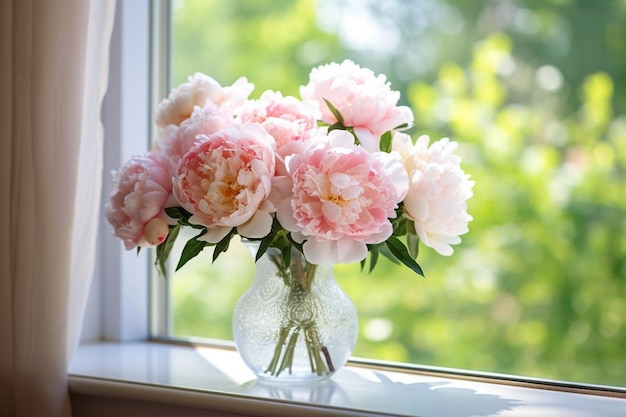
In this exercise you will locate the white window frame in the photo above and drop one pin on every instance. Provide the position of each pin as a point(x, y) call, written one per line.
point(159, 65)
point(120, 309)
point(118, 306)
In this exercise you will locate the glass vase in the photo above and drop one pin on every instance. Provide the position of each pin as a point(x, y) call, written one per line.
point(294, 323)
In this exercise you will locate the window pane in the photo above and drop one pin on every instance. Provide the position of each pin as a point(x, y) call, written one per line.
point(535, 94)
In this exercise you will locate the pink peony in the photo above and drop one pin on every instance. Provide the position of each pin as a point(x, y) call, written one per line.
point(203, 121)
point(341, 197)
point(285, 118)
point(140, 192)
point(168, 145)
point(364, 100)
point(438, 191)
point(199, 89)
point(224, 181)
point(176, 141)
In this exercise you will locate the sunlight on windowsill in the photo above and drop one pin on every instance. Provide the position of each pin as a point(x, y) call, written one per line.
point(184, 375)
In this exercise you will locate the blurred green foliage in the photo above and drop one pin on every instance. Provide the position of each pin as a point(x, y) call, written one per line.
point(535, 94)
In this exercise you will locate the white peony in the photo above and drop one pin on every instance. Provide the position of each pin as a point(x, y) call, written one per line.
point(438, 190)
point(199, 89)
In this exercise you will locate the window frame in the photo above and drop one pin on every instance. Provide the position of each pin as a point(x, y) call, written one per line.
point(117, 309)
point(125, 303)
point(160, 69)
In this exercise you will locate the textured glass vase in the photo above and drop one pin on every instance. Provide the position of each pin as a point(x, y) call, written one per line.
point(294, 323)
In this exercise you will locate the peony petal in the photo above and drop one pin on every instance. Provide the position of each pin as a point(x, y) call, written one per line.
point(339, 179)
point(201, 220)
point(215, 234)
point(332, 252)
point(351, 250)
point(441, 247)
point(375, 238)
point(280, 190)
point(331, 211)
point(367, 139)
point(238, 218)
point(321, 252)
point(339, 139)
point(257, 227)
point(284, 214)
point(401, 143)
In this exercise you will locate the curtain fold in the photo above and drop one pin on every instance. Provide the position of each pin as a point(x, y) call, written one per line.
point(53, 65)
point(88, 188)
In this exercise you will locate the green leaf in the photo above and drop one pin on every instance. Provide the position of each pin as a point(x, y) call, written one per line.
point(384, 250)
point(164, 249)
point(403, 126)
point(184, 221)
point(385, 142)
point(177, 212)
point(182, 216)
point(373, 258)
point(192, 248)
point(399, 226)
point(222, 245)
point(334, 111)
point(356, 138)
point(265, 244)
point(273, 238)
point(295, 244)
point(400, 251)
point(336, 126)
point(412, 239)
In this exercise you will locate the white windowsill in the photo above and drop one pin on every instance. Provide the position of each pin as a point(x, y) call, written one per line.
point(217, 379)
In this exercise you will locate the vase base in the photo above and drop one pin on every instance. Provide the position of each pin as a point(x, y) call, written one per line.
point(293, 379)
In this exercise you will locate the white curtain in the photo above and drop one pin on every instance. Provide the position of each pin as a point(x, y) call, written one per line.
point(53, 61)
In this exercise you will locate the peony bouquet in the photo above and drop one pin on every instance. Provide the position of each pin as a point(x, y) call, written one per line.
point(330, 177)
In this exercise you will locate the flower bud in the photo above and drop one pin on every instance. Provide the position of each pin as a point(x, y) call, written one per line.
point(156, 231)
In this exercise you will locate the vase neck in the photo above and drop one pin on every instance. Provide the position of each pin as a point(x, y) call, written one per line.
point(297, 273)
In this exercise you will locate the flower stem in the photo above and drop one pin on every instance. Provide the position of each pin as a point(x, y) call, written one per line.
point(298, 277)
point(282, 337)
point(319, 356)
point(287, 361)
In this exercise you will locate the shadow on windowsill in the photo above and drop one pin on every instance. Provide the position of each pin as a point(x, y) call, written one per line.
point(350, 390)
